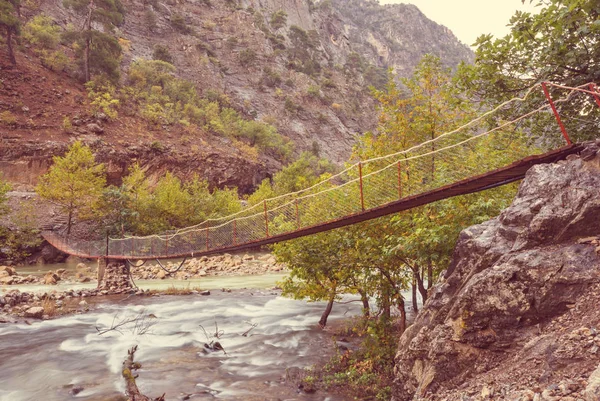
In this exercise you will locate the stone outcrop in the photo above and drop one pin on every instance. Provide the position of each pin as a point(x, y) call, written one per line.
point(509, 277)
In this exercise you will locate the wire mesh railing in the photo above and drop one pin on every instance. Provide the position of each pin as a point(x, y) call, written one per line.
point(467, 151)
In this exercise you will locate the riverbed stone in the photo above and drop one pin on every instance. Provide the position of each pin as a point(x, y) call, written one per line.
point(36, 312)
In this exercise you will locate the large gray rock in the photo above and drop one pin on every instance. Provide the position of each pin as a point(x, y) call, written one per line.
point(592, 391)
point(510, 272)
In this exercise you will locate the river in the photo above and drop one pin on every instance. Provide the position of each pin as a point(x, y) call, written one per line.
point(47, 359)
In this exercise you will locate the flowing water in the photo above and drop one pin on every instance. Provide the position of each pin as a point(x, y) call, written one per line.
point(48, 359)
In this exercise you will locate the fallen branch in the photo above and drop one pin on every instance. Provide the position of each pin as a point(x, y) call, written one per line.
point(253, 325)
point(132, 391)
point(139, 324)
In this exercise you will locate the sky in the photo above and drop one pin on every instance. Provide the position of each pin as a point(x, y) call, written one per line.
point(468, 19)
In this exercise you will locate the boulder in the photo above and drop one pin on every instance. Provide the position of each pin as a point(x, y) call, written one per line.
point(95, 128)
point(51, 278)
point(592, 391)
point(35, 312)
point(161, 274)
point(7, 280)
point(9, 271)
point(507, 274)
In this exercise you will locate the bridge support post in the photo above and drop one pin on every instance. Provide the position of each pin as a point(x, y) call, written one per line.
point(556, 115)
point(114, 276)
point(360, 181)
point(594, 89)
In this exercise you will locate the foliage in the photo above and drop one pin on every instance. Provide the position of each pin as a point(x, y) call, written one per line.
point(42, 32)
point(305, 172)
point(138, 207)
point(247, 57)
point(162, 53)
point(23, 236)
point(150, 20)
point(102, 97)
point(54, 60)
point(278, 19)
point(9, 24)
point(98, 52)
point(74, 182)
point(179, 24)
point(166, 99)
point(303, 52)
point(368, 370)
point(8, 118)
point(559, 44)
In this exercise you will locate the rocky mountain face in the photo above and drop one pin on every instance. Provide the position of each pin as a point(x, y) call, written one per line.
point(516, 315)
point(301, 66)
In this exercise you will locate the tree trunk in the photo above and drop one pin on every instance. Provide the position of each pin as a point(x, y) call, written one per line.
point(88, 43)
point(402, 308)
point(429, 274)
point(421, 286)
point(69, 220)
point(415, 306)
point(327, 311)
point(365, 303)
point(386, 312)
point(11, 53)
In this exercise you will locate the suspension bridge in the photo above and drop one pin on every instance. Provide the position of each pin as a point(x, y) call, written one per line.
point(463, 161)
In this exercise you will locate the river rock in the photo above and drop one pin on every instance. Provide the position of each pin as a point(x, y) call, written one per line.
point(523, 267)
point(35, 312)
point(7, 271)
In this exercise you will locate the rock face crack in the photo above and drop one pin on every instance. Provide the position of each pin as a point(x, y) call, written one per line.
point(507, 275)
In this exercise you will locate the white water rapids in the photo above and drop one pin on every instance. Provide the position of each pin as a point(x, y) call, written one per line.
point(47, 359)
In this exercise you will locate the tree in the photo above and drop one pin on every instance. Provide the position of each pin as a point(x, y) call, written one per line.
point(99, 51)
point(9, 22)
point(75, 183)
point(422, 239)
point(559, 44)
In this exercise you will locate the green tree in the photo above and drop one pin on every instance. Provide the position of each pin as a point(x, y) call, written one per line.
point(9, 22)
point(100, 52)
point(75, 183)
point(559, 44)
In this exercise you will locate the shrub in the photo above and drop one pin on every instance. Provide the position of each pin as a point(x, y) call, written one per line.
point(42, 32)
point(7, 118)
point(179, 24)
point(270, 78)
point(278, 19)
point(247, 57)
point(102, 97)
point(54, 61)
point(150, 20)
point(314, 91)
point(162, 53)
point(67, 125)
point(290, 106)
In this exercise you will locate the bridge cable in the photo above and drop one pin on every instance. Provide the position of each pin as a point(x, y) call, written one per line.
point(171, 271)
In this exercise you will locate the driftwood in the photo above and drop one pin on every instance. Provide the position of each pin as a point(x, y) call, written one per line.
point(132, 391)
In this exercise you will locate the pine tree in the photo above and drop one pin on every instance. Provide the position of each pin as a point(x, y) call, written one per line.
point(75, 183)
point(9, 22)
point(100, 50)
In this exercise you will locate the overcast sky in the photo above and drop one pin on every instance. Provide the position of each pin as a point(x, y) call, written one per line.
point(470, 18)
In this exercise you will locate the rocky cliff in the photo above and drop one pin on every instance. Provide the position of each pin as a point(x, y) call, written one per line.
point(516, 315)
point(312, 86)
